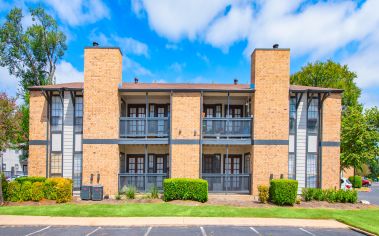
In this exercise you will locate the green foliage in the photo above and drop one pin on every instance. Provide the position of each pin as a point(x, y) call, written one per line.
point(26, 191)
point(31, 179)
point(263, 193)
point(118, 196)
point(37, 191)
point(330, 74)
point(356, 181)
point(185, 189)
point(49, 189)
point(330, 195)
point(318, 194)
point(154, 194)
point(14, 192)
point(283, 191)
point(63, 189)
point(4, 185)
point(131, 192)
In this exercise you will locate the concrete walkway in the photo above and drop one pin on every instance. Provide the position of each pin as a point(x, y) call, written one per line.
point(164, 221)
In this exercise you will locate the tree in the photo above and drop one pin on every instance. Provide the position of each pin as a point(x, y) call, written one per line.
point(10, 128)
point(372, 115)
point(330, 74)
point(358, 139)
point(31, 54)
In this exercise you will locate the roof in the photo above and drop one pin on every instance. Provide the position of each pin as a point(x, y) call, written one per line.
point(183, 87)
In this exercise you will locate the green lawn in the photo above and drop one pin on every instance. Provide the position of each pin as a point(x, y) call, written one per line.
point(365, 219)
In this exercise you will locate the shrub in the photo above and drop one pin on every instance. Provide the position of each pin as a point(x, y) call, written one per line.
point(118, 196)
point(31, 179)
point(318, 194)
point(307, 194)
point(49, 190)
point(351, 196)
point(14, 191)
point(26, 191)
point(283, 191)
point(185, 189)
point(123, 190)
point(131, 192)
point(263, 193)
point(298, 200)
point(356, 181)
point(4, 184)
point(330, 195)
point(63, 189)
point(37, 191)
point(154, 192)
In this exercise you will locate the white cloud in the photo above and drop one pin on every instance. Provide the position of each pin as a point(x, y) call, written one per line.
point(130, 45)
point(66, 73)
point(233, 27)
point(203, 57)
point(79, 12)
point(177, 67)
point(176, 19)
point(134, 68)
point(173, 47)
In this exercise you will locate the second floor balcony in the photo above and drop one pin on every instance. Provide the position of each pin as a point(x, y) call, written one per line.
point(221, 127)
point(144, 127)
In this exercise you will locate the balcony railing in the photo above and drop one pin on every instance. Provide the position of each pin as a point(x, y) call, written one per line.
point(232, 183)
point(142, 182)
point(140, 127)
point(227, 127)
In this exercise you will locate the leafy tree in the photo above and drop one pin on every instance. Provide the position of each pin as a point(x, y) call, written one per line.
point(330, 74)
point(10, 129)
point(31, 54)
point(358, 139)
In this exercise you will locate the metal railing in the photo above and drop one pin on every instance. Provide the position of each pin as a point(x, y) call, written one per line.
point(141, 127)
point(226, 127)
point(228, 183)
point(142, 182)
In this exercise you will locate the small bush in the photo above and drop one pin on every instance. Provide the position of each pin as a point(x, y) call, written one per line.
point(37, 191)
point(330, 195)
point(26, 191)
point(154, 192)
point(31, 179)
point(283, 191)
point(356, 181)
point(4, 184)
point(185, 189)
point(298, 200)
point(63, 190)
point(318, 194)
point(14, 191)
point(131, 192)
point(49, 190)
point(118, 196)
point(263, 193)
point(307, 194)
point(351, 196)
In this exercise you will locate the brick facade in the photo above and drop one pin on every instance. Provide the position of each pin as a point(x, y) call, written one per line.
point(270, 75)
point(37, 131)
point(331, 131)
point(102, 76)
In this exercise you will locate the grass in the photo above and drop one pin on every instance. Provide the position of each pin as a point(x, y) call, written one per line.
point(365, 219)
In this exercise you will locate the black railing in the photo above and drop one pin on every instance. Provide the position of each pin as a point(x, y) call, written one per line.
point(228, 183)
point(226, 127)
point(142, 182)
point(140, 127)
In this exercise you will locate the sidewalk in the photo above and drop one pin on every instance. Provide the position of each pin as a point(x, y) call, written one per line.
point(165, 221)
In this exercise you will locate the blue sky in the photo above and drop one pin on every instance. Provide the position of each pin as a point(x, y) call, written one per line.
point(211, 41)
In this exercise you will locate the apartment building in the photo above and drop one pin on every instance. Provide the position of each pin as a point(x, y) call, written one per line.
point(236, 136)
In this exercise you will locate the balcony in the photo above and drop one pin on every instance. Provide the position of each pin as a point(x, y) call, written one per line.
point(227, 128)
point(228, 183)
point(143, 182)
point(142, 127)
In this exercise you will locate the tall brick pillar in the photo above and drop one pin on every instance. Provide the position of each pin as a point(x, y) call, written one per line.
point(185, 128)
point(37, 133)
point(330, 155)
point(102, 75)
point(270, 72)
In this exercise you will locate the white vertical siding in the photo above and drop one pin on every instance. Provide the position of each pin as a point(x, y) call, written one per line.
point(68, 129)
point(301, 140)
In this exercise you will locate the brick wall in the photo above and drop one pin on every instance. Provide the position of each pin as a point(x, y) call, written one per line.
point(185, 124)
point(37, 131)
point(102, 76)
point(270, 74)
point(331, 118)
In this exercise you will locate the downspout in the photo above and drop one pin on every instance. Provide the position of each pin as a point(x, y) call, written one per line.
point(201, 136)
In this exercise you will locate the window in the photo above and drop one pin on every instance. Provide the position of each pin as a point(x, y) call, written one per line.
point(291, 166)
point(56, 113)
point(247, 164)
point(311, 170)
point(312, 123)
point(292, 115)
point(212, 163)
point(56, 164)
point(77, 173)
point(79, 114)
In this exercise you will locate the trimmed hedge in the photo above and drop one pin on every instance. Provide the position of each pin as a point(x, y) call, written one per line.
point(357, 181)
point(4, 184)
point(185, 189)
point(283, 191)
point(59, 189)
point(31, 179)
point(330, 195)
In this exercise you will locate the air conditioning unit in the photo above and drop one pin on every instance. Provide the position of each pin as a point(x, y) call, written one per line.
point(85, 192)
point(97, 193)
